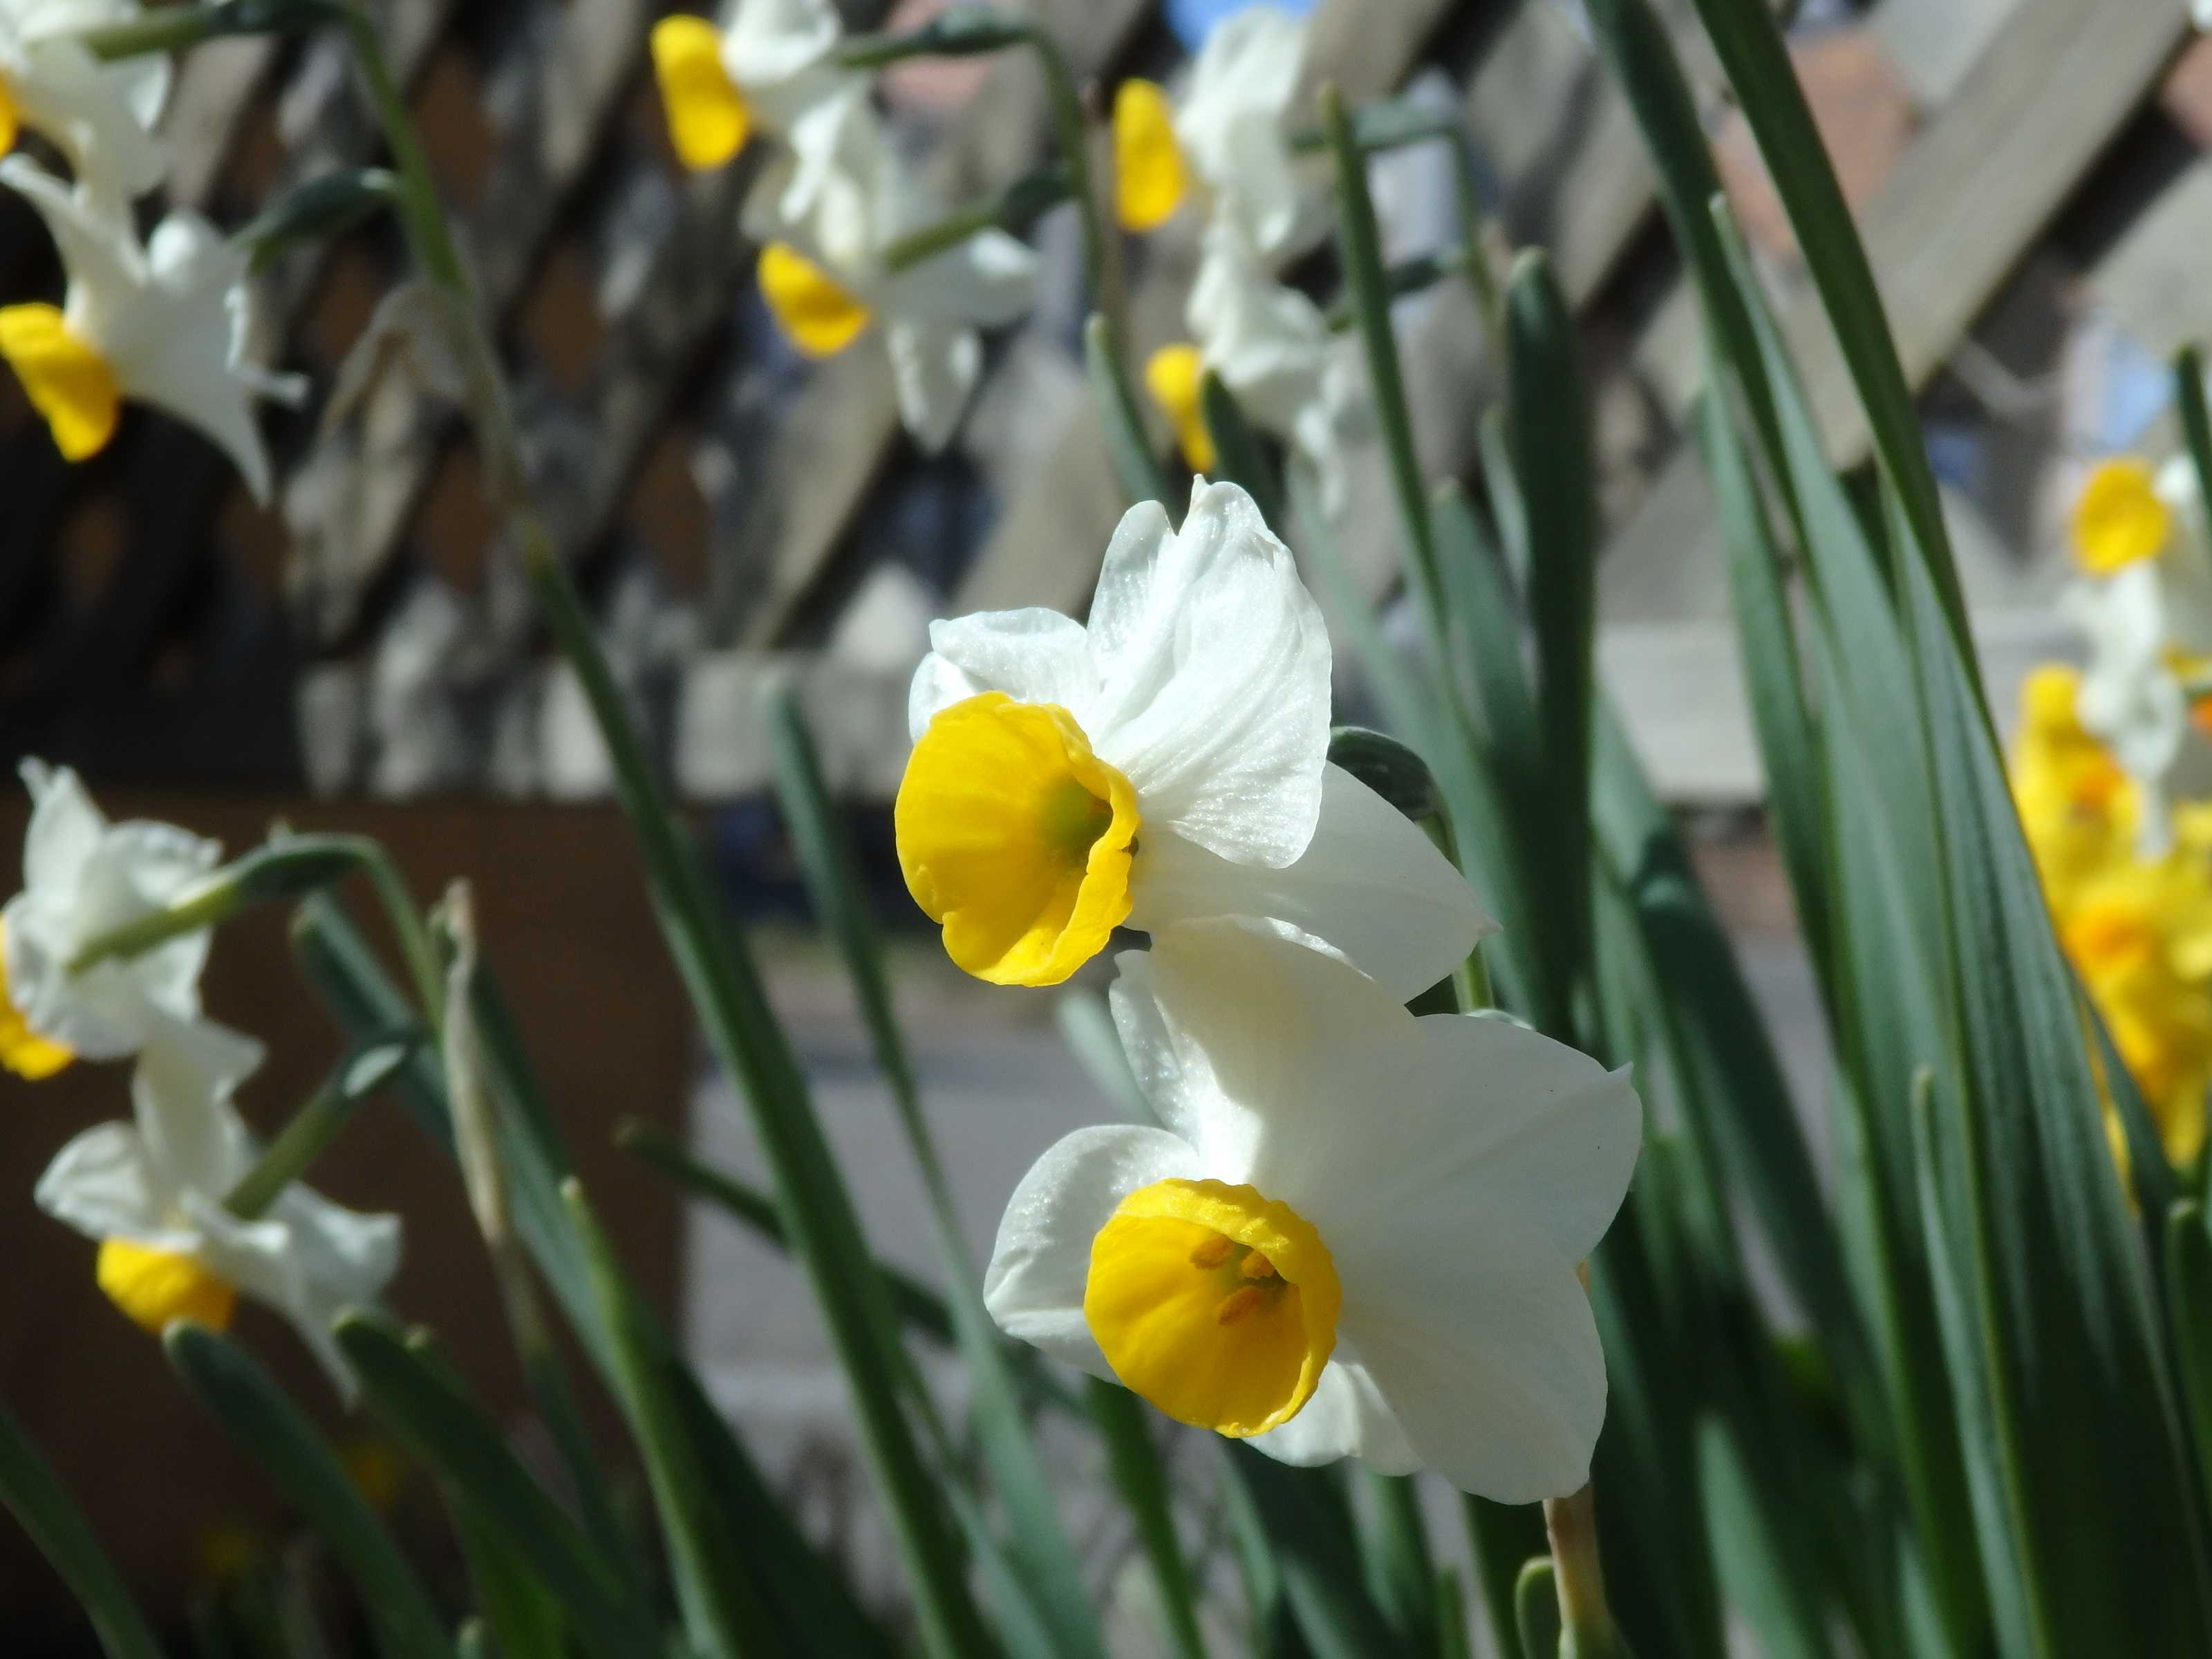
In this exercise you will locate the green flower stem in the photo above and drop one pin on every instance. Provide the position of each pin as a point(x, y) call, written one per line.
point(286, 1159)
point(1012, 210)
point(172, 28)
point(1359, 245)
point(1587, 1628)
point(427, 230)
point(288, 867)
point(1072, 135)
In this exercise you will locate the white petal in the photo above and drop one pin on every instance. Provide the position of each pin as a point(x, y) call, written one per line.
point(1348, 1417)
point(93, 114)
point(1490, 1363)
point(1369, 883)
point(1487, 1119)
point(65, 826)
point(99, 250)
point(180, 1092)
point(1033, 655)
point(264, 1260)
point(1263, 1030)
point(766, 43)
point(1213, 669)
point(103, 1184)
point(2128, 697)
point(1034, 1287)
point(935, 365)
point(1178, 1098)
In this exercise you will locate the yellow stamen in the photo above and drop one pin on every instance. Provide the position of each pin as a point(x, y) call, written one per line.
point(815, 314)
point(1198, 1330)
point(2119, 518)
point(1149, 179)
point(1017, 838)
point(707, 117)
point(155, 1286)
point(68, 382)
point(23, 1050)
point(1175, 375)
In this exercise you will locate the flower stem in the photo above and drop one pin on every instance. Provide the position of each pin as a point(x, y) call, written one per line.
point(1072, 135)
point(175, 28)
point(315, 1125)
point(1587, 1628)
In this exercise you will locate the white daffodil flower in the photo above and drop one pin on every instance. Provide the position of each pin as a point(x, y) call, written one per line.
point(765, 65)
point(2144, 604)
point(1231, 128)
point(1273, 348)
point(100, 115)
point(164, 323)
point(152, 1192)
point(1357, 1234)
point(84, 877)
point(849, 198)
point(1166, 764)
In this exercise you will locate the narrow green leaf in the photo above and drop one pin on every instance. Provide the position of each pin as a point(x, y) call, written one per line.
point(1536, 1609)
point(1043, 1561)
point(1136, 462)
point(1359, 247)
point(1745, 34)
point(1774, 682)
point(1451, 1616)
point(1240, 453)
point(521, 1617)
point(825, 1230)
point(427, 1407)
point(262, 1419)
point(1549, 443)
point(40, 1504)
point(1483, 627)
point(1141, 1476)
point(1400, 1571)
point(2196, 419)
point(723, 1611)
point(1760, 1582)
point(2066, 1302)
point(1502, 1538)
point(2189, 1301)
point(1316, 1554)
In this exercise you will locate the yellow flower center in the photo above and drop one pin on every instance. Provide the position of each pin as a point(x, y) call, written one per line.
point(23, 1050)
point(11, 118)
point(68, 382)
point(155, 1286)
point(2119, 518)
point(1218, 1305)
point(1175, 375)
point(1149, 178)
point(1015, 838)
point(815, 314)
point(707, 117)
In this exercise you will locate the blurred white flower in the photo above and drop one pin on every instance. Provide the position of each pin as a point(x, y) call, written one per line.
point(848, 197)
point(84, 877)
point(1357, 1234)
point(1274, 350)
point(152, 1191)
point(765, 65)
point(1166, 764)
point(163, 322)
point(1231, 128)
point(100, 115)
point(2144, 603)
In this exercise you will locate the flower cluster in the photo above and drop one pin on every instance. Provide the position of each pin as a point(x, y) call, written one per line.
point(2113, 774)
point(843, 197)
point(161, 320)
point(1356, 1232)
point(162, 1192)
point(1227, 141)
